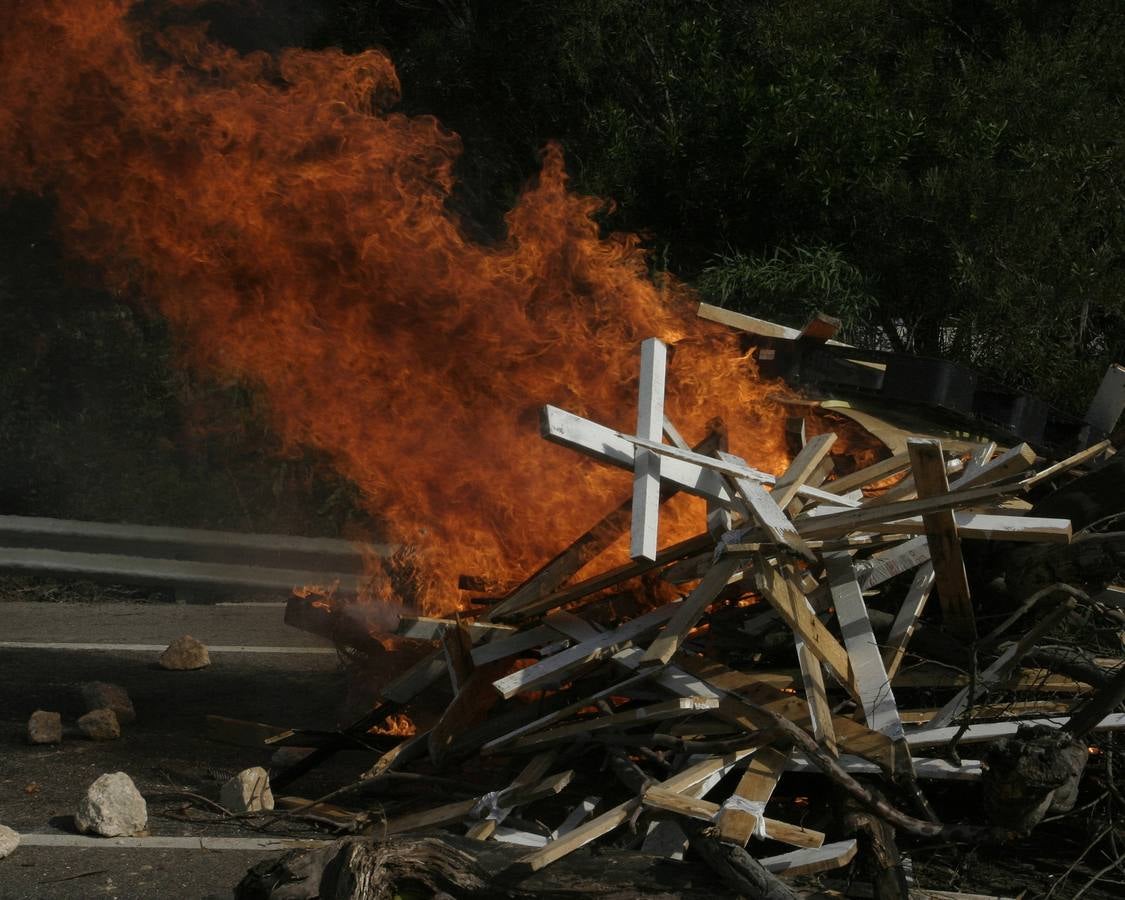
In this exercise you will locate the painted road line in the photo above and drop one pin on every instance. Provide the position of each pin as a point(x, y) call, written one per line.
point(158, 648)
point(168, 843)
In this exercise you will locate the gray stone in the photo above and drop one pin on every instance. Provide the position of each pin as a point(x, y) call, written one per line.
point(112, 807)
point(184, 654)
point(248, 791)
point(44, 728)
point(102, 695)
point(100, 725)
point(9, 840)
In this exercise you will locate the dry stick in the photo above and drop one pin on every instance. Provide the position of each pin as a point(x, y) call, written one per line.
point(830, 767)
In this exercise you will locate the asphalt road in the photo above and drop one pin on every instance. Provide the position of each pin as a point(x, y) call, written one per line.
point(165, 751)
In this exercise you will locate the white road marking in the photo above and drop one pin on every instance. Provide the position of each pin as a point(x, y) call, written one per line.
point(158, 648)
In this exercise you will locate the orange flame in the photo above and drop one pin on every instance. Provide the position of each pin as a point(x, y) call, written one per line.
point(295, 233)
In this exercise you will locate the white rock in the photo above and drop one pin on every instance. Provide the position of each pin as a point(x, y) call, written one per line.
point(112, 806)
point(185, 653)
point(248, 791)
point(102, 695)
point(44, 728)
point(9, 840)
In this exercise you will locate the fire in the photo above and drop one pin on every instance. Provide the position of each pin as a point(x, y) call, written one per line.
point(295, 232)
point(398, 724)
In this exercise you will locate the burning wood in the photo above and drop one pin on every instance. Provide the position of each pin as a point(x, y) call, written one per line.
point(694, 720)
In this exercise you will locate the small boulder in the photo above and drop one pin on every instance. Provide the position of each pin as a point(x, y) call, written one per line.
point(112, 807)
point(248, 791)
point(184, 654)
point(100, 725)
point(9, 840)
point(102, 695)
point(44, 728)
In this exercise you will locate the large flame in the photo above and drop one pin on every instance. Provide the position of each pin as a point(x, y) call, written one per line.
point(295, 232)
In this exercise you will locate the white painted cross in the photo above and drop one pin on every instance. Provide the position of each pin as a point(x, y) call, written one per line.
point(653, 462)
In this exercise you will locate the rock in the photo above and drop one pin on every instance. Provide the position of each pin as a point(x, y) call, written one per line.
point(112, 806)
point(184, 654)
point(44, 728)
point(102, 695)
point(248, 791)
point(100, 725)
point(9, 840)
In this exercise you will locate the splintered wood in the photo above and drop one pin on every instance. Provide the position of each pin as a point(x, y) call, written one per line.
point(674, 690)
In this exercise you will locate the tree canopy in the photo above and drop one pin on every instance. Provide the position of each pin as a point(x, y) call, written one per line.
point(945, 177)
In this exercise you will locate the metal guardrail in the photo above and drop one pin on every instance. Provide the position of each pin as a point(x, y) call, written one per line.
point(179, 558)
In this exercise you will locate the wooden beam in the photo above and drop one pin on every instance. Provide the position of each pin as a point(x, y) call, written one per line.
point(655, 712)
point(777, 585)
point(876, 696)
point(738, 821)
point(668, 642)
point(607, 579)
point(657, 797)
point(876, 472)
point(1069, 463)
point(766, 512)
point(646, 465)
point(822, 523)
point(951, 580)
point(802, 468)
point(562, 664)
point(902, 629)
point(809, 862)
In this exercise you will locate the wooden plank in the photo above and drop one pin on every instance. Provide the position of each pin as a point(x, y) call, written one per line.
point(809, 862)
point(732, 469)
point(1009, 463)
point(886, 564)
point(990, 731)
point(561, 664)
point(581, 836)
point(426, 671)
point(429, 628)
point(951, 580)
point(988, 527)
point(1069, 463)
point(935, 769)
point(801, 469)
point(737, 823)
point(902, 629)
point(694, 675)
point(655, 712)
point(835, 523)
point(766, 512)
point(751, 324)
point(457, 646)
point(611, 577)
point(532, 773)
point(646, 465)
point(657, 797)
point(559, 715)
point(668, 642)
point(777, 585)
point(816, 695)
point(605, 444)
point(876, 696)
point(885, 468)
point(820, 328)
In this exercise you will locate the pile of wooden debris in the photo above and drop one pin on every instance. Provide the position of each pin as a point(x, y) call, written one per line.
point(658, 734)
